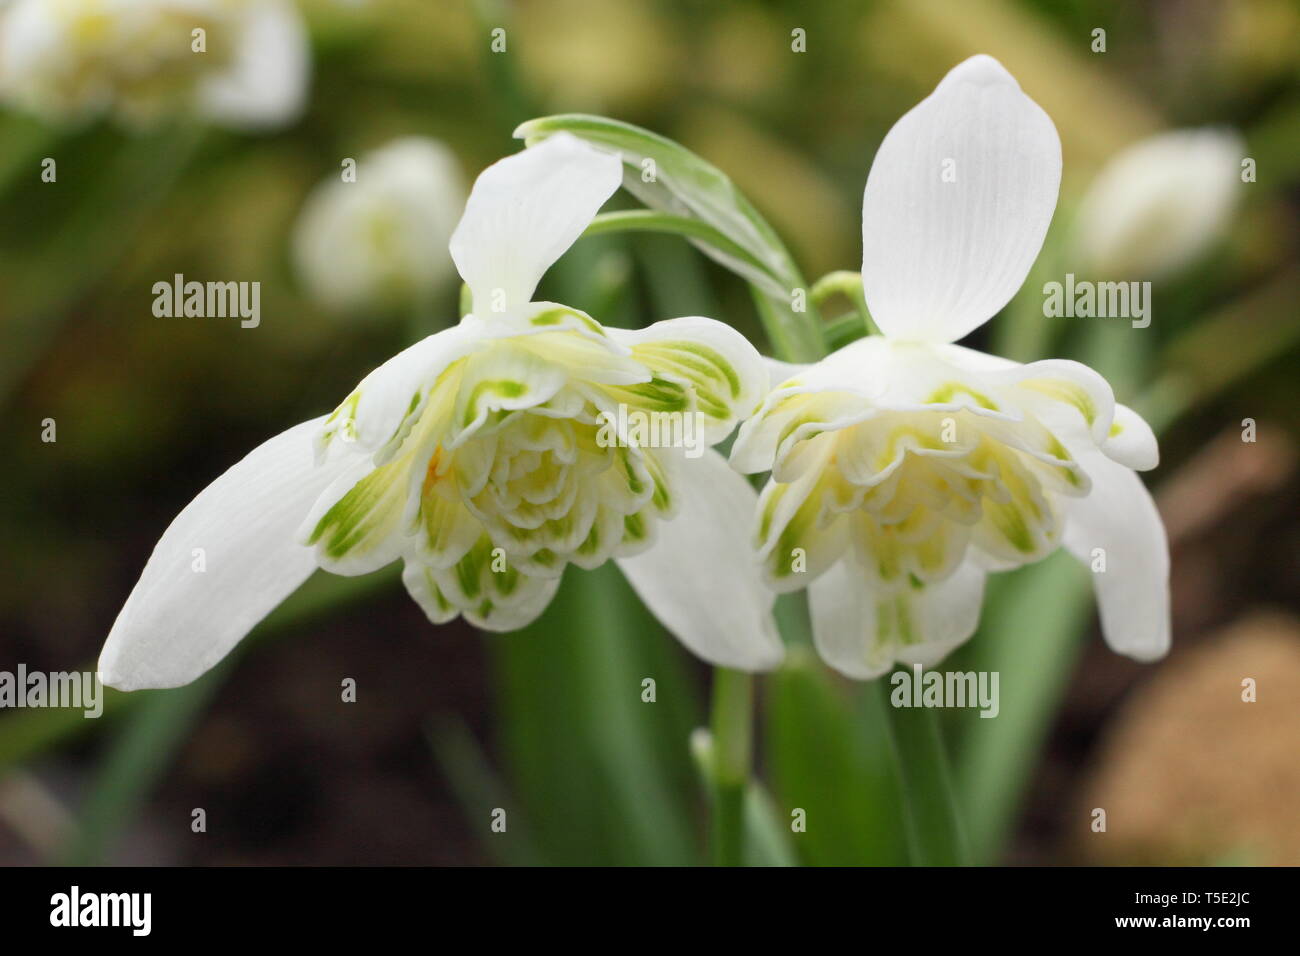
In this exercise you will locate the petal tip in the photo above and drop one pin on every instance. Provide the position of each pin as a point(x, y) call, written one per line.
point(979, 70)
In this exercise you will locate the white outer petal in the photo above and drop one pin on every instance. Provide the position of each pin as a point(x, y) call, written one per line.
point(779, 371)
point(1133, 592)
point(844, 620)
point(266, 83)
point(700, 578)
point(178, 623)
point(524, 211)
point(940, 258)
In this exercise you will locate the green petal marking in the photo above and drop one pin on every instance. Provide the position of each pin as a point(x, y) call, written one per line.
point(691, 360)
point(798, 533)
point(591, 545)
point(771, 500)
point(359, 512)
point(945, 394)
point(1064, 391)
point(656, 395)
point(557, 315)
point(627, 466)
point(501, 387)
point(1010, 523)
point(788, 429)
point(907, 633)
point(713, 379)
point(634, 527)
point(1061, 453)
point(662, 498)
point(890, 449)
point(507, 581)
point(343, 420)
point(469, 570)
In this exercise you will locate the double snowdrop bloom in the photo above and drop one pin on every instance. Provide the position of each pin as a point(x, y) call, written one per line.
point(376, 238)
point(1159, 204)
point(237, 62)
point(905, 468)
point(484, 458)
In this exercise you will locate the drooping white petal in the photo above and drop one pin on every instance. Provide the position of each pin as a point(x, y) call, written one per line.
point(862, 634)
point(266, 81)
point(1158, 204)
point(1130, 441)
point(523, 212)
point(1118, 524)
point(700, 579)
point(957, 204)
point(226, 560)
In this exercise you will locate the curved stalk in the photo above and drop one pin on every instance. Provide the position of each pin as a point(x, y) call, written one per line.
point(731, 733)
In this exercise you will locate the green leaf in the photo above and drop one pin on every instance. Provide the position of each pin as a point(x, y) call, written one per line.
point(602, 777)
point(1031, 633)
point(829, 754)
point(479, 790)
point(139, 755)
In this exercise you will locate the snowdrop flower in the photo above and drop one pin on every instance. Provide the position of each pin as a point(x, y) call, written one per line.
point(904, 467)
point(74, 59)
point(476, 457)
point(1159, 204)
point(378, 240)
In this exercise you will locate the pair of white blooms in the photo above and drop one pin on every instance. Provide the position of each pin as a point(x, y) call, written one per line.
point(903, 468)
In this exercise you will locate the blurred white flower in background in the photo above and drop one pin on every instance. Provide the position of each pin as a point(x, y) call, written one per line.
point(380, 241)
point(1159, 204)
point(70, 60)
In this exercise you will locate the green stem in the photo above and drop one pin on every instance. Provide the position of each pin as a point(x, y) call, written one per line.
point(933, 829)
point(849, 285)
point(651, 220)
point(731, 725)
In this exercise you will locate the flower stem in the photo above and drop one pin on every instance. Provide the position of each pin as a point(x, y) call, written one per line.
point(731, 726)
point(848, 285)
point(934, 830)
